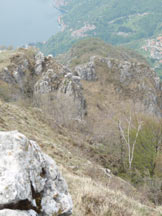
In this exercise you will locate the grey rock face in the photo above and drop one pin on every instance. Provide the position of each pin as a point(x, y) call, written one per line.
point(15, 73)
point(19, 73)
point(71, 88)
point(131, 79)
point(33, 75)
point(6, 76)
point(64, 90)
point(30, 183)
point(39, 59)
point(87, 71)
point(135, 80)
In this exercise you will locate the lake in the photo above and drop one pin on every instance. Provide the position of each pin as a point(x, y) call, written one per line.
point(25, 21)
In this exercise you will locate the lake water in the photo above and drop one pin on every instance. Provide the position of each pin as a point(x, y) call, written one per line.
point(25, 21)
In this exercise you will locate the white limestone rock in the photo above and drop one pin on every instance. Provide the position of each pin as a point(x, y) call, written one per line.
point(62, 90)
point(29, 179)
point(39, 59)
point(8, 212)
point(87, 71)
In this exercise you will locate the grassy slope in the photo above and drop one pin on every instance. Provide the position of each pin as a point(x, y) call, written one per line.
point(4, 58)
point(105, 106)
point(95, 196)
point(93, 193)
point(82, 51)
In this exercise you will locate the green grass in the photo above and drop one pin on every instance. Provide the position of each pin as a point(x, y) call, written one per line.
point(82, 50)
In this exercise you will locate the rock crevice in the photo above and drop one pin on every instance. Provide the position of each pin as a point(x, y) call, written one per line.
point(20, 205)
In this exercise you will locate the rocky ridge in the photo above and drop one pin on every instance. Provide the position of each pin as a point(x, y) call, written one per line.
point(58, 89)
point(61, 87)
point(37, 75)
point(134, 80)
point(131, 78)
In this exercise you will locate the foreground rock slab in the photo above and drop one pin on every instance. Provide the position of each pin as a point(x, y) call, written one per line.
point(7, 212)
point(30, 183)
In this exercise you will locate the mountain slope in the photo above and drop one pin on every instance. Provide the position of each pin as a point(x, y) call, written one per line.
point(93, 193)
point(73, 114)
point(86, 192)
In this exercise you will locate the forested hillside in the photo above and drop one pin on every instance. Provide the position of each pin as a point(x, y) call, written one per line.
point(117, 22)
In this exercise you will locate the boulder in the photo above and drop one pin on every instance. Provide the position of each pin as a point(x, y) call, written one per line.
point(30, 183)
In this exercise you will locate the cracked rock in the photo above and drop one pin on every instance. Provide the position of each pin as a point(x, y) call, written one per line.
point(87, 71)
point(62, 93)
point(30, 183)
point(8, 212)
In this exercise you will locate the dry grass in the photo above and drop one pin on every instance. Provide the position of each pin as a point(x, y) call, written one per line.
point(81, 151)
point(93, 199)
point(92, 196)
point(6, 55)
point(5, 58)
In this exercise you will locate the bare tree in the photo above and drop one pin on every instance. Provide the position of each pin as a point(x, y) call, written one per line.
point(125, 134)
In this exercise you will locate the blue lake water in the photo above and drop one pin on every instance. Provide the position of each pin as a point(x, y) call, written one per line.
point(25, 21)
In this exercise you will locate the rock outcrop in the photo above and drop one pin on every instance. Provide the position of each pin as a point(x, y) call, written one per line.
point(30, 183)
point(136, 81)
point(131, 80)
point(87, 71)
point(21, 73)
point(39, 60)
point(62, 93)
point(59, 90)
point(29, 73)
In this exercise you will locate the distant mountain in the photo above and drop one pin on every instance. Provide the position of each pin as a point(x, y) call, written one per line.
point(123, 22)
